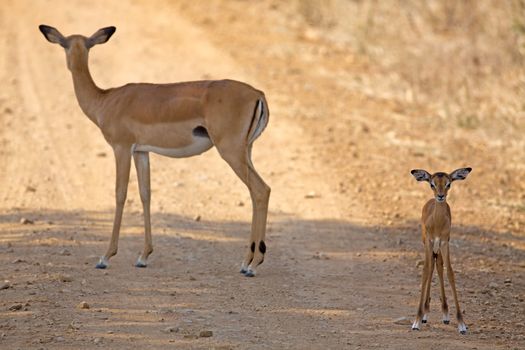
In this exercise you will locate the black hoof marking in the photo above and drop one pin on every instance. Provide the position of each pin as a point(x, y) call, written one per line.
point(249, 274)
point(101, 266)
point(463, 332)
point(141, 265)
point(446, 322)
point(243, 270)
point(262, 247)
point(415, 329)
point(424, 321)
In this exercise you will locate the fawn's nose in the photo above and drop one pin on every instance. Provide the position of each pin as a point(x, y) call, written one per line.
point(440, 197)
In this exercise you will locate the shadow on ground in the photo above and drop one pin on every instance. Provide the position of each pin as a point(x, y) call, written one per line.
point(325, 275)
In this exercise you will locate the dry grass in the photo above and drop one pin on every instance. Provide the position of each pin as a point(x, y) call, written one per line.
point(442, 85)
point(462, 59)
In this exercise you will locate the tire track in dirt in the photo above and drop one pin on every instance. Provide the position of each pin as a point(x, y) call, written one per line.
point(43, 135)
point(41, 161)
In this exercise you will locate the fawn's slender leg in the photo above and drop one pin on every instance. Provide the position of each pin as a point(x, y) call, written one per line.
point(429, 283)
point(424, 280)
point(143, 175)
point(444, 305)
point(123, 163)
point(462, 328)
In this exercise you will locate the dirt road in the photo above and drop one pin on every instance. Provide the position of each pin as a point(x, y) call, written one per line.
point(343, 241)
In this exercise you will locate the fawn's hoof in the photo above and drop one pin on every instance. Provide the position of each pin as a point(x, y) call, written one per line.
point(102, 263)
point(248, 272)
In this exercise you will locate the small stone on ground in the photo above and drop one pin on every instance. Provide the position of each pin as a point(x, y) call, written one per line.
point(205, 334)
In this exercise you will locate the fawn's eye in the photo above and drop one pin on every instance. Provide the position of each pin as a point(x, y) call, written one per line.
point(432, 186)
point(448, 185)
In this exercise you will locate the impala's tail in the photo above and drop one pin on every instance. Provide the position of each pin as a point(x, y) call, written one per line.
point(260, 118)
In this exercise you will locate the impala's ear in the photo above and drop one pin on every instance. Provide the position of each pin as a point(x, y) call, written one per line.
point(460, 174)
point(100, 37)
point(421, 175)
point(53, 35)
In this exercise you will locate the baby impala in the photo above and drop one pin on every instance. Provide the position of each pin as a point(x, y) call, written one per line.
point(435, 229)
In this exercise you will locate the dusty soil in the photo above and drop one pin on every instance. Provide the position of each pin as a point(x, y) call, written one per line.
point(343, 239)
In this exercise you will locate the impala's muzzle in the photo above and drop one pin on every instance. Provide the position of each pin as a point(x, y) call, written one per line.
point(440, 198)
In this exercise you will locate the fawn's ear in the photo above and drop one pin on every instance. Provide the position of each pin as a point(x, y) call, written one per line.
point(53, 35)
point(421, 175)
point(460, 174)
point(100, 37)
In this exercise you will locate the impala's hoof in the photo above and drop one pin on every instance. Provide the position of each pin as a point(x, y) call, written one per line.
point(424, 321)
point(249, 274)
point(102, 263)
point(415, 328)
point(243, 270)
point(141, 264)
point(446, 321)
point(462, 328)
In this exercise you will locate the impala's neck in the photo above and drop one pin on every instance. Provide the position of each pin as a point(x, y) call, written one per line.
point(88, 93)
point(439, 207)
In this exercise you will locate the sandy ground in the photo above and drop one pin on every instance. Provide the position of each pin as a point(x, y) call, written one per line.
point(344, 250)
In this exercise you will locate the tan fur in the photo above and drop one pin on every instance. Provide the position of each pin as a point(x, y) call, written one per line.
point(137, 118)
point(436, 220)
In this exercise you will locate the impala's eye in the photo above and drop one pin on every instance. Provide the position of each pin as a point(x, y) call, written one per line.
point(447, 185)
point(432, 186)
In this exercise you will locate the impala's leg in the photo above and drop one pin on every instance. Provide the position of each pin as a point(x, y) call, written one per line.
point(444, 305)
point(462, 328)
point(123, 161)
point(142, 166)
point(260, 194)
point(427, 293)
point(427, 300)
point(424, 280)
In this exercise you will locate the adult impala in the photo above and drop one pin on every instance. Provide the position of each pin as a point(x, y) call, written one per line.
point(436, 220)
point(175, 120)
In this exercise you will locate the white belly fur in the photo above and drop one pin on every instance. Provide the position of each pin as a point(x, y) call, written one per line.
point(199, 145)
